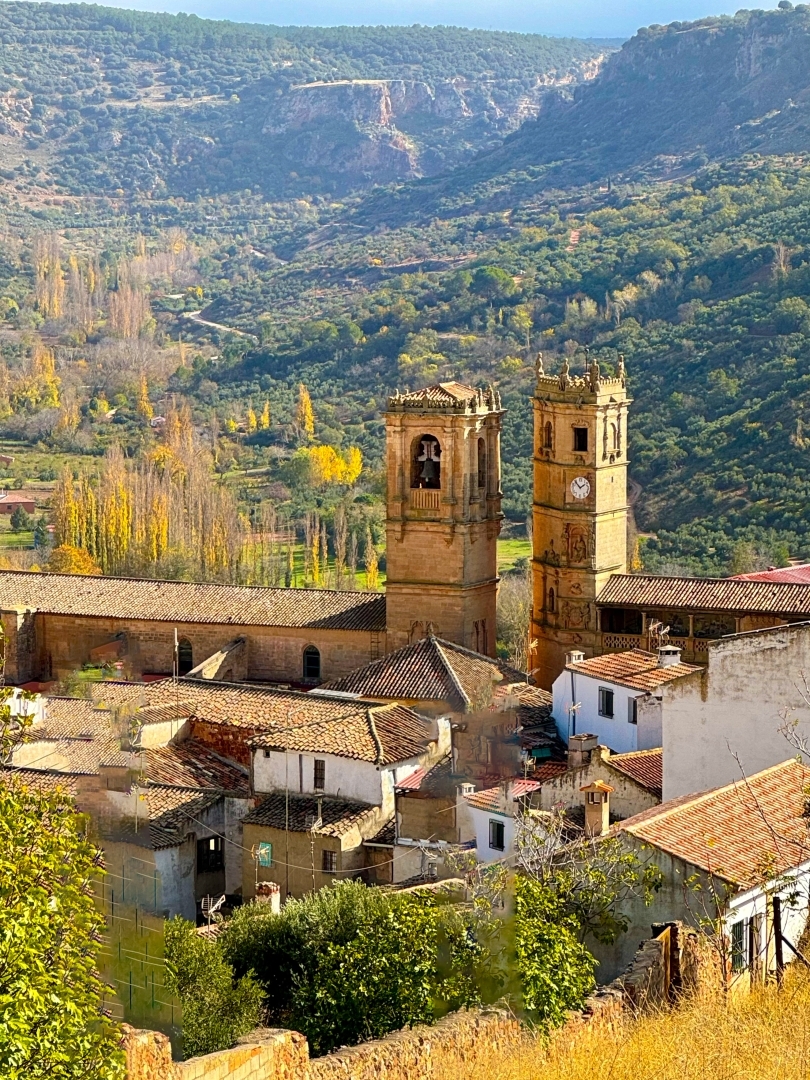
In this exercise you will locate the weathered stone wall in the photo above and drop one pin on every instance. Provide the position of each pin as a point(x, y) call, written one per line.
point(265, 1054)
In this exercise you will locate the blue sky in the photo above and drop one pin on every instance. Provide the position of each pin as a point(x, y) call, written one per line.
point(577, 18)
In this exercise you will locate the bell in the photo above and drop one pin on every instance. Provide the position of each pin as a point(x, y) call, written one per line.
point(429, 471)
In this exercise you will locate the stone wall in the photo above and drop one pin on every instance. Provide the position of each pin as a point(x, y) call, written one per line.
point(266, 1054)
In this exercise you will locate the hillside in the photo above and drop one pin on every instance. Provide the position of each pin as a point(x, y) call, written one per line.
point(96, 100)
point(670, 100)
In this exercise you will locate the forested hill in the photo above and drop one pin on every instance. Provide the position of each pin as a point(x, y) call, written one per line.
point(670, 100)
point(101, 101)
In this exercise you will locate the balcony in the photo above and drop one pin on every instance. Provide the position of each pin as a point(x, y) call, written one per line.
point(425, 498)
point(693, 650)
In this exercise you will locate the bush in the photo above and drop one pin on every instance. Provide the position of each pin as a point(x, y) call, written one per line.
point(216, 1008)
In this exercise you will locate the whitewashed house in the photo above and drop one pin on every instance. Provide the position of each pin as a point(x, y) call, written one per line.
point(492, 813)
point(617, 697)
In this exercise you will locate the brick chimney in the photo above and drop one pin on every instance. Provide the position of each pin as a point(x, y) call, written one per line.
point(597, 807)
point(580, 748)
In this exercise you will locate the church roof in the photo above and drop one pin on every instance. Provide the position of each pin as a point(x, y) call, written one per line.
point(731, 595)
point(448, 395)
point(191, 602)
point(431, 670)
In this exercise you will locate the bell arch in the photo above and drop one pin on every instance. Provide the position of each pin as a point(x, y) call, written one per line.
point(426, 463)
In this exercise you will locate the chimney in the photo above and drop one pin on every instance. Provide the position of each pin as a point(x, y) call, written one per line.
point(668, 655)
point(597, 807)
point(580, 748)
point(574, 657)
point(466, 789)
point(268, 892)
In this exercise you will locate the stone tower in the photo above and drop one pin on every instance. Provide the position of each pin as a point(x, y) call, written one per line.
point(443, 515)
point(579, 516)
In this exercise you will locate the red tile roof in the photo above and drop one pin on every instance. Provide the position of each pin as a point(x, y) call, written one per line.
point(635, 668)
point(740, 833)
point(491, 799)
point(799, 575)
point(548, 770)
point(191, 602)
point(707, 594)
point(448, 395)
point(433, 670)
point(643, 766)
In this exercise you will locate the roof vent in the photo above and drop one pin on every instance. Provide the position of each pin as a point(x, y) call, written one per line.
point(574, 657)
point(466, 789)
point(669, 655)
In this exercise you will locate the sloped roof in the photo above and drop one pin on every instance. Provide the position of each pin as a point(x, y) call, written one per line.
point(646, 767)
point(798, 575)
point(338, 816)
point(635, 668)
point(438, 781)
point(490, 799)
point(738, 832)
point(171, 812)
point(731, 595)
point(450, 394)
point(191, 764)
point(431, 670)
point(39, 779)
point(383, 734)
point(191, 602)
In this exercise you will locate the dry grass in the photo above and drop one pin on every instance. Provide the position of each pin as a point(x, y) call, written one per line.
point(761, 1036)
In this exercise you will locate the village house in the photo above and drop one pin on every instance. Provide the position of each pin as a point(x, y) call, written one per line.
point(724, 854)
point(493, 813)
point(635, 778)
point(617, 697)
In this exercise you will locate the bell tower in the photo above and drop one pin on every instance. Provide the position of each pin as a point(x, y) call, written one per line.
point(579, 518)
point(443, 515)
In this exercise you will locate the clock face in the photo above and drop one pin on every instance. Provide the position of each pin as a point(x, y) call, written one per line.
point(580, 487)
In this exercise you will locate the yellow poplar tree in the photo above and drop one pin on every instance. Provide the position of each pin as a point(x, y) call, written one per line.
point(144, 404)
point(264, 419)
point(65, 510)
point(251, 421)
point(304, 416)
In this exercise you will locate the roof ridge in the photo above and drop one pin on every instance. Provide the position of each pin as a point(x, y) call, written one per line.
point(375, 736)
point(449, 669)
point(665, 809)
point(637, 753)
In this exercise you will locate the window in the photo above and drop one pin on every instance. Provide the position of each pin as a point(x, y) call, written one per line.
point(482, 463)
point(185, 657)
point(210, 855)
point(312, 663)
point(581, 439)
point(268, 753)
point(548, 436)
point(496, 840)
point(319, 782)
point(329, 862)
point(632, 710)
point(426, 463)
point(605, 701)
point(738, 946)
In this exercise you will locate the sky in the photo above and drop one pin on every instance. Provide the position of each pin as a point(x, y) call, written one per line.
point(573, 18)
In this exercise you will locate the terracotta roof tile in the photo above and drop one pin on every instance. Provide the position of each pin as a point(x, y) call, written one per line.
point(635, 668)
point(431, 670)
point(707, 594)
point(439, 781)
point(39, 780)
point(548, 770)
point(191, 764)
point(799, 575)
point(440, 395)
point(491, 799)
point(171, 813)
point(338, 816)
point(644, 766)
point(192, 602)
point(737, 832)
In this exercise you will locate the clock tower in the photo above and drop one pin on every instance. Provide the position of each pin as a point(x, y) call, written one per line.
point(579, 516)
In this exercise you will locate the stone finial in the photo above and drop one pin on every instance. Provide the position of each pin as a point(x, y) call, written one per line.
point(538, 365)
point(565, 374)
point(621, 373)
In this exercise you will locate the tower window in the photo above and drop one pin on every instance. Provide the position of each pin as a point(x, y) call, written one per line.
point(185, 657)
point(482, 463)
point(426, 467)
point(312, 663)
point(548, 436)
point(581, 439)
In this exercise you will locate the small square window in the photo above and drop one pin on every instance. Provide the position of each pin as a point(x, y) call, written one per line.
point(268, 753)
point(605, 702)
point(581, 439)
point(496, 837)
point(319, 781)
point(632, 710)
point(329, 862)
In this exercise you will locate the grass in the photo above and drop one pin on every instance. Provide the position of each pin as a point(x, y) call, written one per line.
point(509, 551)
point(760, 1036)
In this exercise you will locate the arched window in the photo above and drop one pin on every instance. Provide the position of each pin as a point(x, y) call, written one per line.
point(482, 463)
point(426, 463)
point(185, 656)
point(312, 663)
point(548, 436)
point(551, 600)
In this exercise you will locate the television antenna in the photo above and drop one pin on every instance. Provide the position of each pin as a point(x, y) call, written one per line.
point(210, 906)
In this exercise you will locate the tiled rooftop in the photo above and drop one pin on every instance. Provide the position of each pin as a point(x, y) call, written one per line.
point(384, 734)
point(643, 766)
point(635, 668)
point(797, 575)
point(39, 779)
point(338, 816)
point(438, 781)
point(737, 832)
point(733, 595)
point(190, 764)
point(191, 602)
point(491, 799)
point(440, 395)
point(434, 670)
point(171, 813)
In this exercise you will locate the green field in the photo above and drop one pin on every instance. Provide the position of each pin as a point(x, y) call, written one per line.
point(510, 551)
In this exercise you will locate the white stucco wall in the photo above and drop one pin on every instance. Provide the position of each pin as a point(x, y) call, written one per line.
point(726, 719)
point(481, 820)
point(794, 889)
point(616, 732)
point(344, 778)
